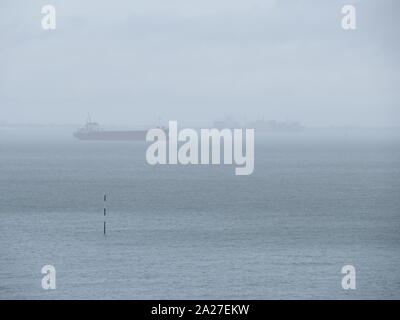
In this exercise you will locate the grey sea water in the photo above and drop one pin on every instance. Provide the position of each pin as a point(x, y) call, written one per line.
point(313, 204)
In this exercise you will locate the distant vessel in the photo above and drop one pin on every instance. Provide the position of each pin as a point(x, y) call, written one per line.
point(260, 125)
point(275, 126)
point(228, 123)
point(93, 131)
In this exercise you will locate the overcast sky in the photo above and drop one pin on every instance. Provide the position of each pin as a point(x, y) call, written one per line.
point(195, 61)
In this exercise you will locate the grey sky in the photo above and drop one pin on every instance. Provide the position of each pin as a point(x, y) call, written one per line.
point(128, 62)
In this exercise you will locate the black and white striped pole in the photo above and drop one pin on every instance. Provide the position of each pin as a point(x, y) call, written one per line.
point(105, 211)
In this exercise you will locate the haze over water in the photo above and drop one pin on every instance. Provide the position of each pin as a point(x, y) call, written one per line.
point(318, 200)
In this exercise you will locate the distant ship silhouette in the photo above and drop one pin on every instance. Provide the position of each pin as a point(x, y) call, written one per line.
point(261, 125)
point(93, 131)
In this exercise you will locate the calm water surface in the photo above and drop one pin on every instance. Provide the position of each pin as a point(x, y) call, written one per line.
point(312, 205)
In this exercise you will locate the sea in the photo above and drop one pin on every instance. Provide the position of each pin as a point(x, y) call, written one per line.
point(316, 202)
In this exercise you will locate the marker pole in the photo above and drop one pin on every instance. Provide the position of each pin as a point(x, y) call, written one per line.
point(105, 210)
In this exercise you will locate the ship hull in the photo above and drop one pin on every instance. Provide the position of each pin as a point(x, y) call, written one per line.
point(139, 135)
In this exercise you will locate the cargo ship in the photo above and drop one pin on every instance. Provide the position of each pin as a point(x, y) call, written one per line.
point(270, 126)
point(93, 131)
point(275, 126)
